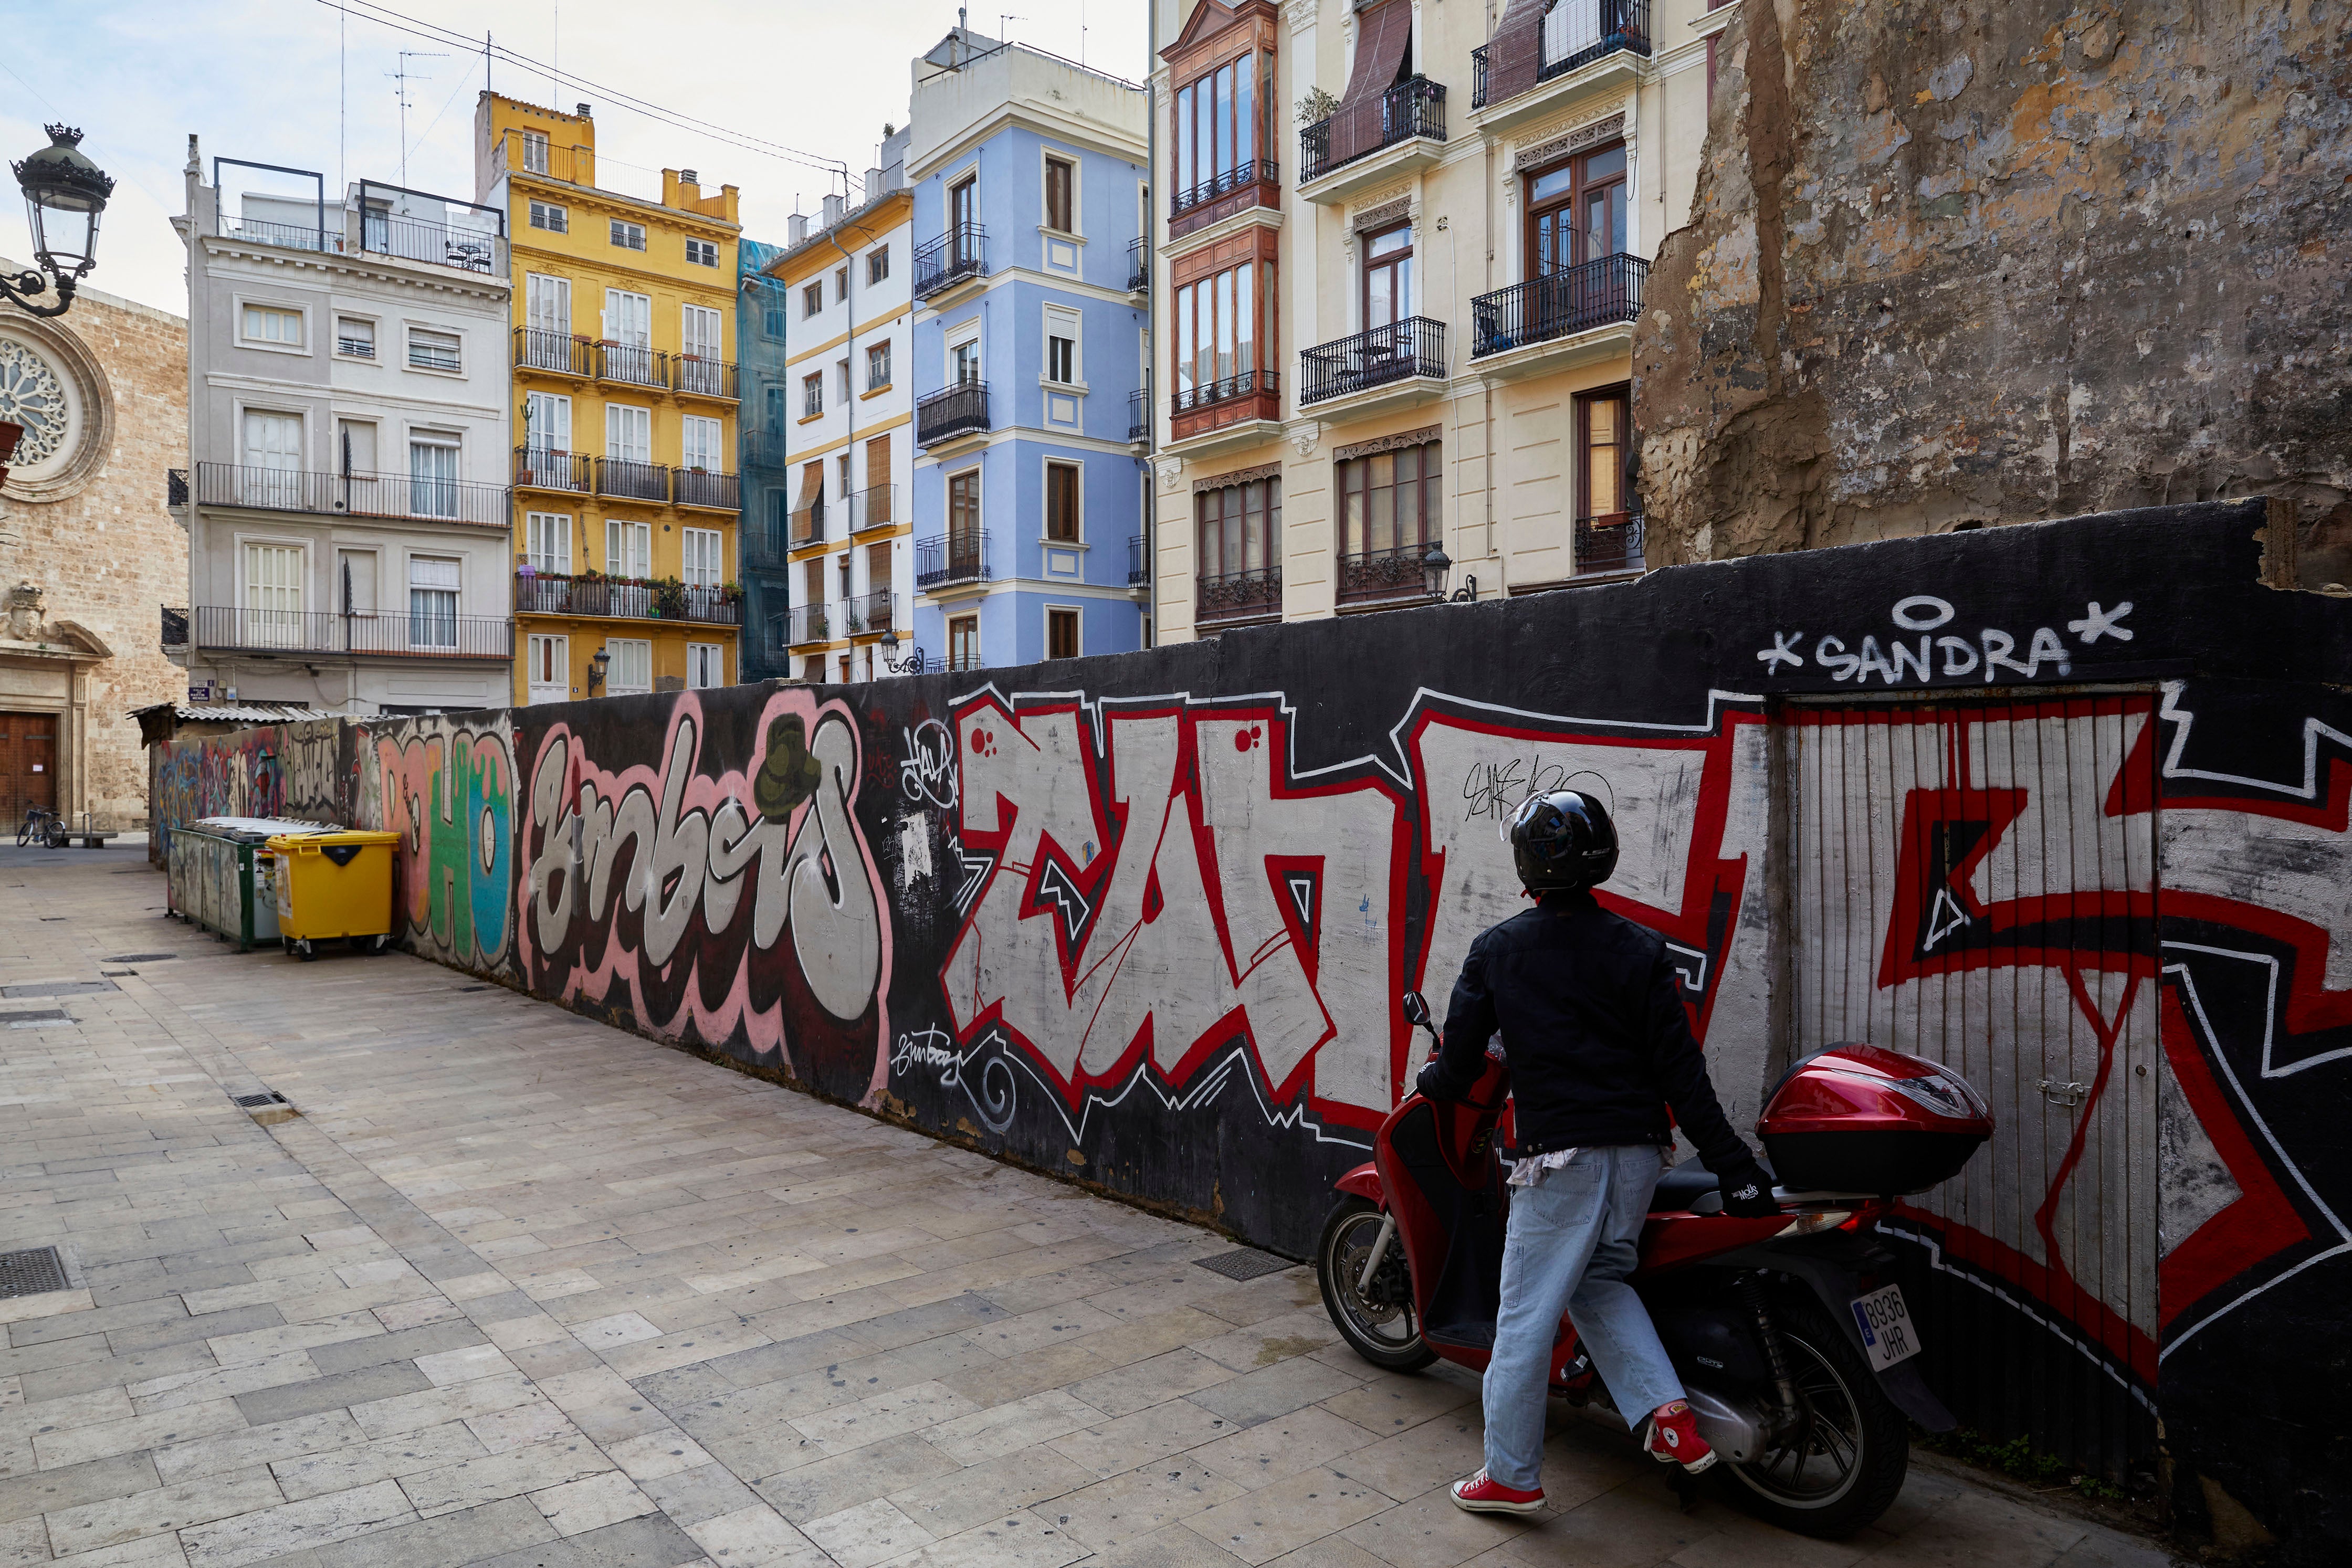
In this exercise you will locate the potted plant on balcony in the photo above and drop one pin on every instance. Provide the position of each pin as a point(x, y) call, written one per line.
point(670, 598)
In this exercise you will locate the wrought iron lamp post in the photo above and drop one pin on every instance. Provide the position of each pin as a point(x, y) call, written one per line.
point(1434, 569)
point(598, 662)
point(912, 665)
point(65, 193)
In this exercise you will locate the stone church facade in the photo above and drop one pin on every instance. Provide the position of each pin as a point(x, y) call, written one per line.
point(88, 552)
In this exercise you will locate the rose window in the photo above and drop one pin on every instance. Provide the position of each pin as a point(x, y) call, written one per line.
point(30, 395)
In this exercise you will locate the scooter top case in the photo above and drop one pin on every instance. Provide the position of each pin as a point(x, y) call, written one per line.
point(1857, 1119)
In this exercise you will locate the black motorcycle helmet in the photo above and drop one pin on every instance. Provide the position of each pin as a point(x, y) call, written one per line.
point(1563, 841)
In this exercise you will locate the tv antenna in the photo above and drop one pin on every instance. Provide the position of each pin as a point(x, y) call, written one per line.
point(401, 79)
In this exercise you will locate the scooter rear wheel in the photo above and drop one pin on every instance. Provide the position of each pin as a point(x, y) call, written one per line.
point(1381, 1327)
point(1842, 1468)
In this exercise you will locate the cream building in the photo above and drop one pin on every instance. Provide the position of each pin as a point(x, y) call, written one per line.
point(1404, 250)
point(89, 552)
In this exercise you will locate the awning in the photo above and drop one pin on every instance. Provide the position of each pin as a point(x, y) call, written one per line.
point(1384, 35)
point(1515, 54)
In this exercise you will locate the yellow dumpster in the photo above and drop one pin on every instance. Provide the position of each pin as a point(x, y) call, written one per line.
point(334, 884)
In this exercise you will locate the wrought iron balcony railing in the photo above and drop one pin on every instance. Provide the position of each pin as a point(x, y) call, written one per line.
point(876, 507)
point(632, 365)
point(1138, 567)
point(630, 480)
point(559, 353)
point(1598, 293)
point(1138, 412)
point(698, 377)
point(448, 233)
point(1600, 545)
point(945, 559)
point(943, 415)
point(1257, 170)
point(959, 254)
point(389, 634)
point(1412, 347)
point(871, 611)
point(1395, 572)
point(1575, 34)
point(808, 524)
point(700, 487)
point(407, 497)
point(542, 468)
point(1253, 595)
point(548, 593)
point(1138, 264)
point(175, 486)
point(1207, 393)
point(1414, 107)
point(810, 624)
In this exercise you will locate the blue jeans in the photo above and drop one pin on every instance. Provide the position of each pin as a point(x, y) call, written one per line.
point(1574, 1236)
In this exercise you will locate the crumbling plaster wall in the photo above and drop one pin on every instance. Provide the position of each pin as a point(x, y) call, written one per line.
point(1954, 264)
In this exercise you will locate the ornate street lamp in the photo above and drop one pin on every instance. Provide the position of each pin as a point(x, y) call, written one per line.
point(64, 195)
point(912, 665)
point(1434, 567)
point(598, 662)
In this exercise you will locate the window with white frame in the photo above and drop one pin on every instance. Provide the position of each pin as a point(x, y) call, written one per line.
point(698, 332)
point(1061, 632)
point(701, 253)
point(432, 476)
point(1061, 344)
point(628, 235)
point(628, 548)
point(432, 601)
point(356, 336)
point(699, 438)
point(812, 396)
point(878, 367)
point(273, 441)
point(841, 286)
point(548, 538)
point(273, 592)
point(534, 152)
point(963, 361)
point(877, 264)
point(550, 670)
point(706, 666)
point(551, 217)
point(705, 564)
point(547, 427)
point(430, 350)
point(813, 300)
point(628, 433)
point(631, 672)
point(547, 307)
point(280, 329)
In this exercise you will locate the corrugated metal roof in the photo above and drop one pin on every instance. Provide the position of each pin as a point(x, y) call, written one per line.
point(243, 713)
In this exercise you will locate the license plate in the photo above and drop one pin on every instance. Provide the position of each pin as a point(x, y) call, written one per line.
point(1888, 1334)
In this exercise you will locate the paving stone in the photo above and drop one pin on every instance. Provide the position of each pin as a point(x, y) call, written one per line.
point(374, 1350)
point(296, 1526)
point(72, 1486)
point(650, 1542)
point(363, 1387)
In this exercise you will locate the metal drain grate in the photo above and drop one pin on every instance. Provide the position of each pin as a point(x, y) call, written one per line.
point(36, 1017)
point(463, 989)
point(269, 1097)
point(58, 988)
point(1243, 1264)
point(31, 1272)
point(140, 957)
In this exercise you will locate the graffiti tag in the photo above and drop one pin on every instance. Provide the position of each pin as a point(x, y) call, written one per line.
point(926, 773)
point(1899, 661)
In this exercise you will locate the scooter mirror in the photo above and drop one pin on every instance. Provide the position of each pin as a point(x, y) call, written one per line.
point(1416, 1011)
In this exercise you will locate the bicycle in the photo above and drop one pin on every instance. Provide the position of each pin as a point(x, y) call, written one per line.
point(42, 826)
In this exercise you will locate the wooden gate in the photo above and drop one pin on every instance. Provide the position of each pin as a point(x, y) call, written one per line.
point(28, 765)
point(1975, 882)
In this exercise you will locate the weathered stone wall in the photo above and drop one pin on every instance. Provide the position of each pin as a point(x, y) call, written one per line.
point(106, 553)
point(1952, 264)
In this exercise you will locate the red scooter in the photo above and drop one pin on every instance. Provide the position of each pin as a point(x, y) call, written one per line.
point(1793, 1346)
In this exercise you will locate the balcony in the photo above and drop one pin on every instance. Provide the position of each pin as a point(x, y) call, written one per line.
point(943, 415)
point(947, 560)
point(1139, 265)
point(1238, 598)
point(557, 353)
point(400, 496)
point(1384, 576)
point(697, 377)
point(942, 263)
point(1139, 412)
point(1237, 411)
point(717, 492)
point(1362, 146)
point(876, 507)
point(440, 230)
point(1255, 184)
point(625, 598)
point(175, 486)
point(1608, 546)
point(808, 524)
point(632, 481)
point(522, 152)
point(300, 632)
point(810, 624)
point(1508, 326)
point(1585, 45)
point(1401, 364)
point(541, 469)
point(632, 364)
point(871, 613)
point(1139, 565)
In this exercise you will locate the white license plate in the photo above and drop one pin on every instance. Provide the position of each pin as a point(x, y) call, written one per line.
point(1887, 1333)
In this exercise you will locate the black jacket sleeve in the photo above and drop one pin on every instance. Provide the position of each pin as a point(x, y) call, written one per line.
point(1681, 1071)
point(1470, 1022)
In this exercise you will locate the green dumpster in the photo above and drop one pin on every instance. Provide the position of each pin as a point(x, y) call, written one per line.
point(222, 876)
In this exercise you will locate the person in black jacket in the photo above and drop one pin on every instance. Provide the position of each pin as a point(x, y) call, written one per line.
point(1591, 1019)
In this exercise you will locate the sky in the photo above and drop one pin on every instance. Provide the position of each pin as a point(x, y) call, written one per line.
point(305, 84)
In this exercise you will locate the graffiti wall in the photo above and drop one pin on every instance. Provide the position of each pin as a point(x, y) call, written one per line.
point(299, 770)
point(2064, 805)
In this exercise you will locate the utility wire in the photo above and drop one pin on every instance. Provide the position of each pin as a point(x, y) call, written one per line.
point(383, 15)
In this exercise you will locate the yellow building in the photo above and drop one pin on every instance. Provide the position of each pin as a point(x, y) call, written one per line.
point(625, 400)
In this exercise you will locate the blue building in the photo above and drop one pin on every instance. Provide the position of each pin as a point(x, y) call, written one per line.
point(760, 322)
point(1030, 348)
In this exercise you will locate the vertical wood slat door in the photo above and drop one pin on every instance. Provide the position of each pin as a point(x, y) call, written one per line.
point(1976, 882)
point(28, 765)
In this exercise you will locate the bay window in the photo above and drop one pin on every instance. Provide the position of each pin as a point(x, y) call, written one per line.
point(1217, 337)
point(1218, 132)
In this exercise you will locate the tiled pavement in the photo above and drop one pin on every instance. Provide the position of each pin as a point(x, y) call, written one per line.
point(518, 1288)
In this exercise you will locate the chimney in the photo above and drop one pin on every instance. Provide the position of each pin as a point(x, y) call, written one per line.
point(688, 177)
point(796, 228)
point(873, 187)
point(831, 211)
point(582, 111)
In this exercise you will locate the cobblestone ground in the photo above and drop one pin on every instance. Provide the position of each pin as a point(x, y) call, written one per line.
point(515, 1288)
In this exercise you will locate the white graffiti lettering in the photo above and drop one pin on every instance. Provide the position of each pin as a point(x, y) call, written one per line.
point(926, 773)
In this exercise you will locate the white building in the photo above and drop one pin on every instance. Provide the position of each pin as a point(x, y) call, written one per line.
point(347, 498)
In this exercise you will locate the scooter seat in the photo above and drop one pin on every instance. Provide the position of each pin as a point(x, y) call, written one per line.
point(1691, 1185)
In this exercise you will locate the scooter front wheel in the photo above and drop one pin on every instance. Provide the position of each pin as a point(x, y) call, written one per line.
point(1378, 1322)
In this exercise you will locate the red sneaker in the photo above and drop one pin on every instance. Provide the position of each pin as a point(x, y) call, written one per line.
point(1483, 1494)
point(1672, 1439)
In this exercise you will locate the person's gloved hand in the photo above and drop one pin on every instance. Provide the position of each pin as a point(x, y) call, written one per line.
point(1432, 1082)
point(1747, 1193)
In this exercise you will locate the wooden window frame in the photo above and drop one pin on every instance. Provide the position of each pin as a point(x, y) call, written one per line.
point(1065, 488)
point(1622, 395)
point(1579, 188)
point(1061, 205)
